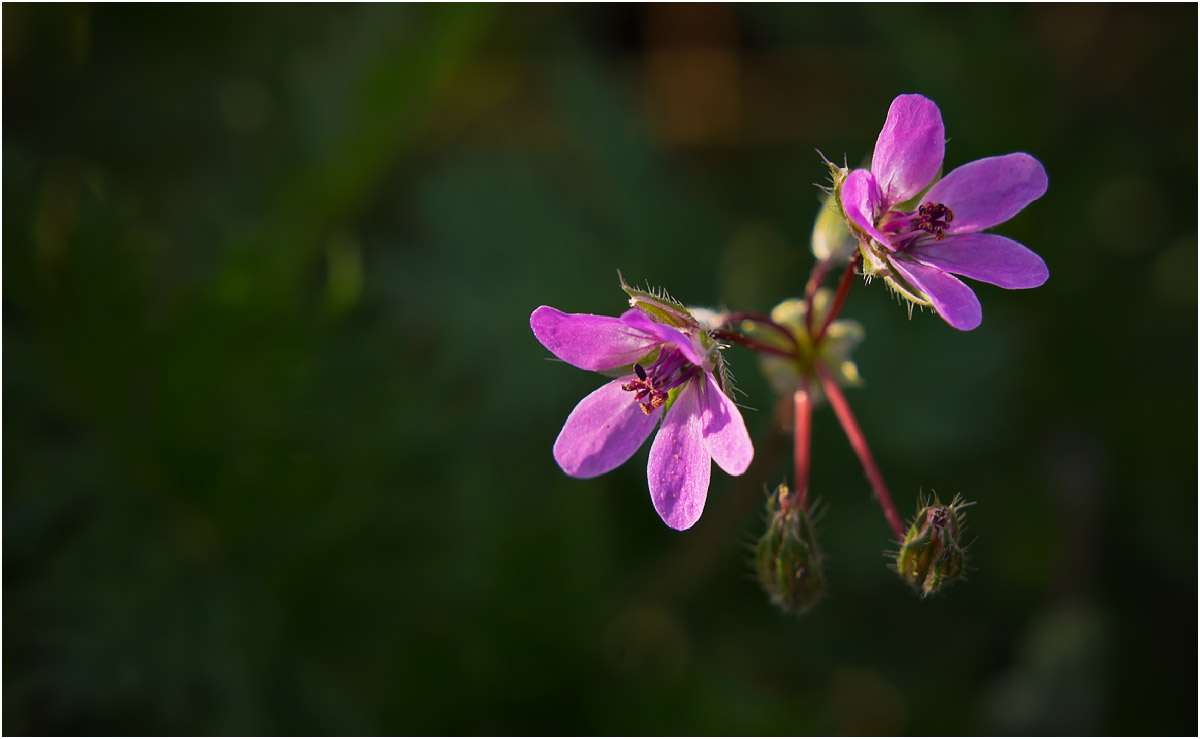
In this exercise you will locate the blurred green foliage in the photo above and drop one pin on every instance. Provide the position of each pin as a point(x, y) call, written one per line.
point(277, 450)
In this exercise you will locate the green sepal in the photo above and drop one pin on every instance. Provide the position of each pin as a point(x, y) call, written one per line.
point(659, 306)
point(906, 290)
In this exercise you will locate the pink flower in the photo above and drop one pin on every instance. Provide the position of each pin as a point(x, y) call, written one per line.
point(657, 366)
point(916, 241)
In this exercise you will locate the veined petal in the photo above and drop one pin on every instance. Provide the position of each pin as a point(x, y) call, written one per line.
point(603, 431)
point(986, 257)
point(638, 321)
point(590, 342)
point(680, 465)
point(955, 302)
point(861, 201)
point(724, 430)
point(909, 150)
point(989, 191)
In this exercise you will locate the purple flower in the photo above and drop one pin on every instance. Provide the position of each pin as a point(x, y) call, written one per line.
point(657, 366)
point(917, 239)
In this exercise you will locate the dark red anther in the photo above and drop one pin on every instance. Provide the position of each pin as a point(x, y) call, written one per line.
point(933, 218)
point(652, 385)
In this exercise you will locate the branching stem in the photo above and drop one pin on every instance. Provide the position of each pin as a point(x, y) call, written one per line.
point(838, 300)
point(761, 319)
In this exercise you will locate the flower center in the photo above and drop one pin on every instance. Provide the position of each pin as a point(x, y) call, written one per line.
point(905, 227)
point(933, 218)
point(653, 384)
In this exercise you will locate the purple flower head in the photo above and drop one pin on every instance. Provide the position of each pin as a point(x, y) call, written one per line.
point(667, 372)
point(917, 237)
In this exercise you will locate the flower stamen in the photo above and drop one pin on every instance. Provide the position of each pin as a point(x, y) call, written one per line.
point(933, 218)
point(654, 384)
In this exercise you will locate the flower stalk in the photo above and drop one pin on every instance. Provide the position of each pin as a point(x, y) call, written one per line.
point(858, 442)
point(732, 319)
point(733, 337)
point(802, 405)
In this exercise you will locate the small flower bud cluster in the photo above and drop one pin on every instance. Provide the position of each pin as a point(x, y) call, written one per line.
point(932, 555)
point(833, 348)
point(787, 559)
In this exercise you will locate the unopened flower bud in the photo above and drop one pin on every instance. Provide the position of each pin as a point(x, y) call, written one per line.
point(787, 559)
point(933, 555)
point(831, 239)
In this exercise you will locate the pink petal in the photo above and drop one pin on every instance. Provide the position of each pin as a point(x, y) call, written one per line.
point(986, 257)
point(590, 342)
point(680, 466)
point(603, 431)
point(861, 201)
point(666, 334)
point(954, 301)
point(989, 191)
point(909, 150)
point(724, 430)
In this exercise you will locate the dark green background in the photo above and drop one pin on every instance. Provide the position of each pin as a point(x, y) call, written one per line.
point(277, 434)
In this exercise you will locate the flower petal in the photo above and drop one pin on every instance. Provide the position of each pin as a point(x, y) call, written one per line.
point(954, 301)
point(989, 191)
point(590, 342)
point(909, 150)
point(987, 257)
point(680, 466)
point(637, 320)
point(861, 201)
point(603, 431)
point(724, 430)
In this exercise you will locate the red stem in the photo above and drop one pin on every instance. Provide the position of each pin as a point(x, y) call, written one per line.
point(810, 290)
point(759, 318)
point(746, 341)
point(838, 300)
point(803, 439)
point(859, 443)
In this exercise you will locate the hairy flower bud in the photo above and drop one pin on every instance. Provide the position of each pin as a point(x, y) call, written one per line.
point(932, 555)
point(831, 239)
point(787, 559)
